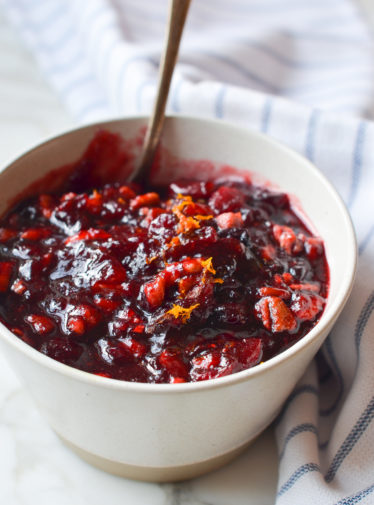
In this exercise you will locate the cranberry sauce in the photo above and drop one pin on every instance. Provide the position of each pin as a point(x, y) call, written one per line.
point(182, 283)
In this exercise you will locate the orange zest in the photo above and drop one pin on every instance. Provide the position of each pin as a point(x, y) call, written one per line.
point(186, 199)
point(187, 224)
point(184, 313)
point(173, 242)
point(200, 217)
point(149, 260)
point(208, 266)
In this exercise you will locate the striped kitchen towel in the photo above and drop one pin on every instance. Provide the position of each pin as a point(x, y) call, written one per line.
point(301, 71)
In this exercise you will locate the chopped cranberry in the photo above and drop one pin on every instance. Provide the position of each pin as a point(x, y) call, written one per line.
point(232, 313)
point(62, 349)
point(206, 366)
point(287, 239)
point(192, 266)
point(196, 189)
point(270, 291)
point(275, 314)
point(268, 252)
point(226, 199)
point(76, 325)
point(144, 200)
point(6, 234)
point(6, 269)
point(40, 324)
point(229, 220)
point(124, 320)
point(172, 362)
point(176, 380)
point(306, 306)
point(47, 205)
point(163, 226)
point(90, 234)
point(313, 247)
point(94, 202)
point(35, 233)
point(250, 351)
point(186, 284)
point(155, 292)
point(126, 192)
point(19, 287)
point(133, 346)
point(105, 303)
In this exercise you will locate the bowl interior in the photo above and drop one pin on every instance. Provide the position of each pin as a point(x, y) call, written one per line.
point(220, 143)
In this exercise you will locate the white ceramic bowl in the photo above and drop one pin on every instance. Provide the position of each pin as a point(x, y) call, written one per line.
point(170, 432)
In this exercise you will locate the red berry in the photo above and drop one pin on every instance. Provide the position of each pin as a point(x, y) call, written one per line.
point(270, 291)
point(90, 234)
point(172, 361)
point(90, 315)
point(126, 192)
point(6, 234)
point(275, 315)
point(306, 306)
point(176, 380)
point(68, 196)
point(226, 199)
point(313, 247)
point(104, 374)
point(192, 265)
point(210, 365)
point(47, 205)
point(133, 346)
point(186, 284)
point(155, 292)
point(146, 200)
point(62, 349)
point(287, 239)
point(106, 304)
point(94, 202)
point(36, 233)
point(268, 252)
point(250, 351)
point(40, 324)
point(229, 220)
point(6, 269)
point(76, 325)
point(19, 287)
point(196, 189)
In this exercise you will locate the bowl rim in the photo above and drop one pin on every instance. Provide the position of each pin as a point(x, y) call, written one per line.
point(238, 377)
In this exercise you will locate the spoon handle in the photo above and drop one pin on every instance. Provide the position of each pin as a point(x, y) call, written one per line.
point(178, 10)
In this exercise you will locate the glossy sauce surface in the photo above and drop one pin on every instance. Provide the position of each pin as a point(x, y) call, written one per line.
point(185, 282)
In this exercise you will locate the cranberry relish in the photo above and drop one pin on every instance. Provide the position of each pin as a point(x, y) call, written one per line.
point(188, 282)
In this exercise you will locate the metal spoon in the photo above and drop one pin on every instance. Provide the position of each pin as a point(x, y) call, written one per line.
point(177, 16)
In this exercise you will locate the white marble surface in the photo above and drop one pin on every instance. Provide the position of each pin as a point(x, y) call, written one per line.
point(35, 468)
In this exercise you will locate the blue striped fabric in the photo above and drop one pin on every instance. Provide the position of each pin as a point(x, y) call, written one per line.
point(357, 497)
point(301, 71)
point(301, 428)
point(300, 472)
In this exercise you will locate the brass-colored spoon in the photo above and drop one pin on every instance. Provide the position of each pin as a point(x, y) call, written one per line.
point(178, 10)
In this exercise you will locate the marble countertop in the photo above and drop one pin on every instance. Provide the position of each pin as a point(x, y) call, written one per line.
point(35, 468)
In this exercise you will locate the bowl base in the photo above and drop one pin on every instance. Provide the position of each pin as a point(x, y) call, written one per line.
point(156, 474)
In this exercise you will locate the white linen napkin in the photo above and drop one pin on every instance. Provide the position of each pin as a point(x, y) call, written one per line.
point(301, 71)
